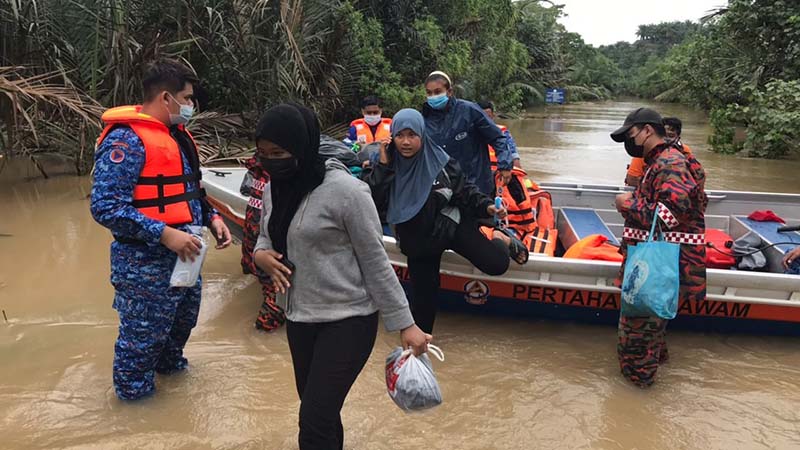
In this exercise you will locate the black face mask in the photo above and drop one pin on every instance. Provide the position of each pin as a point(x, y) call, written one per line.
point(279, 169)
point(635, 151)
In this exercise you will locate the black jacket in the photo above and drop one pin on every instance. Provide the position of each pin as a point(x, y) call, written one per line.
point(429, 225)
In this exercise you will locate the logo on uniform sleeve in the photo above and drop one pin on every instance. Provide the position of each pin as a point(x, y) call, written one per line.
point(461, 136)
point(117, 155)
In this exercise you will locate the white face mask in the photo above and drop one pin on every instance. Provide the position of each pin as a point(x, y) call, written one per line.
point(372, 119)
point(186, 112)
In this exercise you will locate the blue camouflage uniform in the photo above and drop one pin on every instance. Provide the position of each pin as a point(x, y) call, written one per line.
point(155, 319)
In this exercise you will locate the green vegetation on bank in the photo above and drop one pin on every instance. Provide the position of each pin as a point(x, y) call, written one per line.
point(742, 63)
point(63, 61)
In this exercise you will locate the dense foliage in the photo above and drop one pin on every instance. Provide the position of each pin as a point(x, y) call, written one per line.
point(89, 54)
point(742, 64)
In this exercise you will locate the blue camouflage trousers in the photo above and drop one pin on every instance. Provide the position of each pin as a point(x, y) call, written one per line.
point(155, 320)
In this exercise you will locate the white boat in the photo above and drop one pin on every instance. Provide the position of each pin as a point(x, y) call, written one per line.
point(554, 287)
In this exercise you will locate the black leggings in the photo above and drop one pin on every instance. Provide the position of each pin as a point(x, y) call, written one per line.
point(489, 256)
point(327, 359)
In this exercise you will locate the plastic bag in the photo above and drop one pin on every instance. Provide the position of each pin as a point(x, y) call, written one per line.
point(410, 380)
point(651, 282)
point(185, 273)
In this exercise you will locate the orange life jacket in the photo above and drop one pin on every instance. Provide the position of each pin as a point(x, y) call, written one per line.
point(160, 192)
point(542, 203)
point(492, 153)
point(540, 240)
point(594, 247)
point(521, 216)
point(364, 132)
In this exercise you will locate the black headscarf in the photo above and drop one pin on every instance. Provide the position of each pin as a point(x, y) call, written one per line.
point(294, 128)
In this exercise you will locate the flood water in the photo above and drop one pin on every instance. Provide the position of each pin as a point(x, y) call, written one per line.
point(572, 143)
point(507, 383)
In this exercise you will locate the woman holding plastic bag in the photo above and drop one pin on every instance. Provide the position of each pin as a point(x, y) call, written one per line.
point(322, 245)
point(669, 200)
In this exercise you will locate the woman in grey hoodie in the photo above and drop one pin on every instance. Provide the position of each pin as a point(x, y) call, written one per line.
point(321, 242)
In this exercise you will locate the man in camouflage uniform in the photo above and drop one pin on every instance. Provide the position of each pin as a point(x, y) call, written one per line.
point(270, 316)
point(147, 192)
point(673, 184)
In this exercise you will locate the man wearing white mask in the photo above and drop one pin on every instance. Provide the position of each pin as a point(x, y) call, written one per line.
point(370, 128)
point(147, 192)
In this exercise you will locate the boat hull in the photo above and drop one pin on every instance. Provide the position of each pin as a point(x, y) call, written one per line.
point(569, 289)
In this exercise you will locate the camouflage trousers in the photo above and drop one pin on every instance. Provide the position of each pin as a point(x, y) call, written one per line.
point(155, 320)
point(641, 348)
point(270, 315)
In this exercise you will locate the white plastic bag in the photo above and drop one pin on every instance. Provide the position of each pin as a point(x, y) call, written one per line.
point(185, 273)
point(410, 380)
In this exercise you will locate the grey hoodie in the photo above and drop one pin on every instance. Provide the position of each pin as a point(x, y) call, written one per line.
point(335, 241)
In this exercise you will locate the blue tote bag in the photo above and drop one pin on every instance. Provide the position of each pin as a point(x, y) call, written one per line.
point(651, 280)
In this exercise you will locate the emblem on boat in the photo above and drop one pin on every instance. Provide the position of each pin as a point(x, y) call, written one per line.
point(477, 292)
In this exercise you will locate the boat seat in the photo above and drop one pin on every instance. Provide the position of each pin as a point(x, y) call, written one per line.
point(575, 224)
point(768, 232)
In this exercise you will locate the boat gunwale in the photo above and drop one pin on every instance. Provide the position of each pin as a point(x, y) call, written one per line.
point(718, 278)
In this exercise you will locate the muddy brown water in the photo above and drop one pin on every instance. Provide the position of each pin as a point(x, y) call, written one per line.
point(507, 383)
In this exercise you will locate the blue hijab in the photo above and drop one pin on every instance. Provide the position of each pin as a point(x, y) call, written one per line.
point(414, 176)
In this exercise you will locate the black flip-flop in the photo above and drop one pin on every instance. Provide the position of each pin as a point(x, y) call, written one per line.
point(518, 252)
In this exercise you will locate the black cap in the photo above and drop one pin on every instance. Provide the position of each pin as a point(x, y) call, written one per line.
point(486, 105)
point(637, 117)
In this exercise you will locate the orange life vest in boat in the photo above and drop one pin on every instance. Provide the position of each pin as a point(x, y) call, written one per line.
point(542, 203)
point(541, 240)
point(492, 153)
point(364, 132)
point(521, 215)
point(594, 247)
point(160, 192)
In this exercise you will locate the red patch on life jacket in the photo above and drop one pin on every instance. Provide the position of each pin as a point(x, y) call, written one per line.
point(117, 155)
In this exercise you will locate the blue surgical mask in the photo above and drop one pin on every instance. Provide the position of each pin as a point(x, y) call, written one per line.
point(186, 112)
point(438, 101)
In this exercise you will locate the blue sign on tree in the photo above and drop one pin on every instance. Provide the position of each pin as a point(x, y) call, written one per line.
point(554, 95)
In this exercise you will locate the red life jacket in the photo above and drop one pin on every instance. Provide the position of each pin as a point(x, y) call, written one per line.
point(714, 258)
point(160, 192)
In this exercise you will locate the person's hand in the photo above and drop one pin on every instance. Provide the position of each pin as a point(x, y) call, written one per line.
point(493, 211)
point(631, 180)
point(270, 262)
point(384, 153)
point(414, 338)
point(505, 177)
point(622, 200)
point(181, 242)
point(517, 163)
point(221, 232)
point(791, 256)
